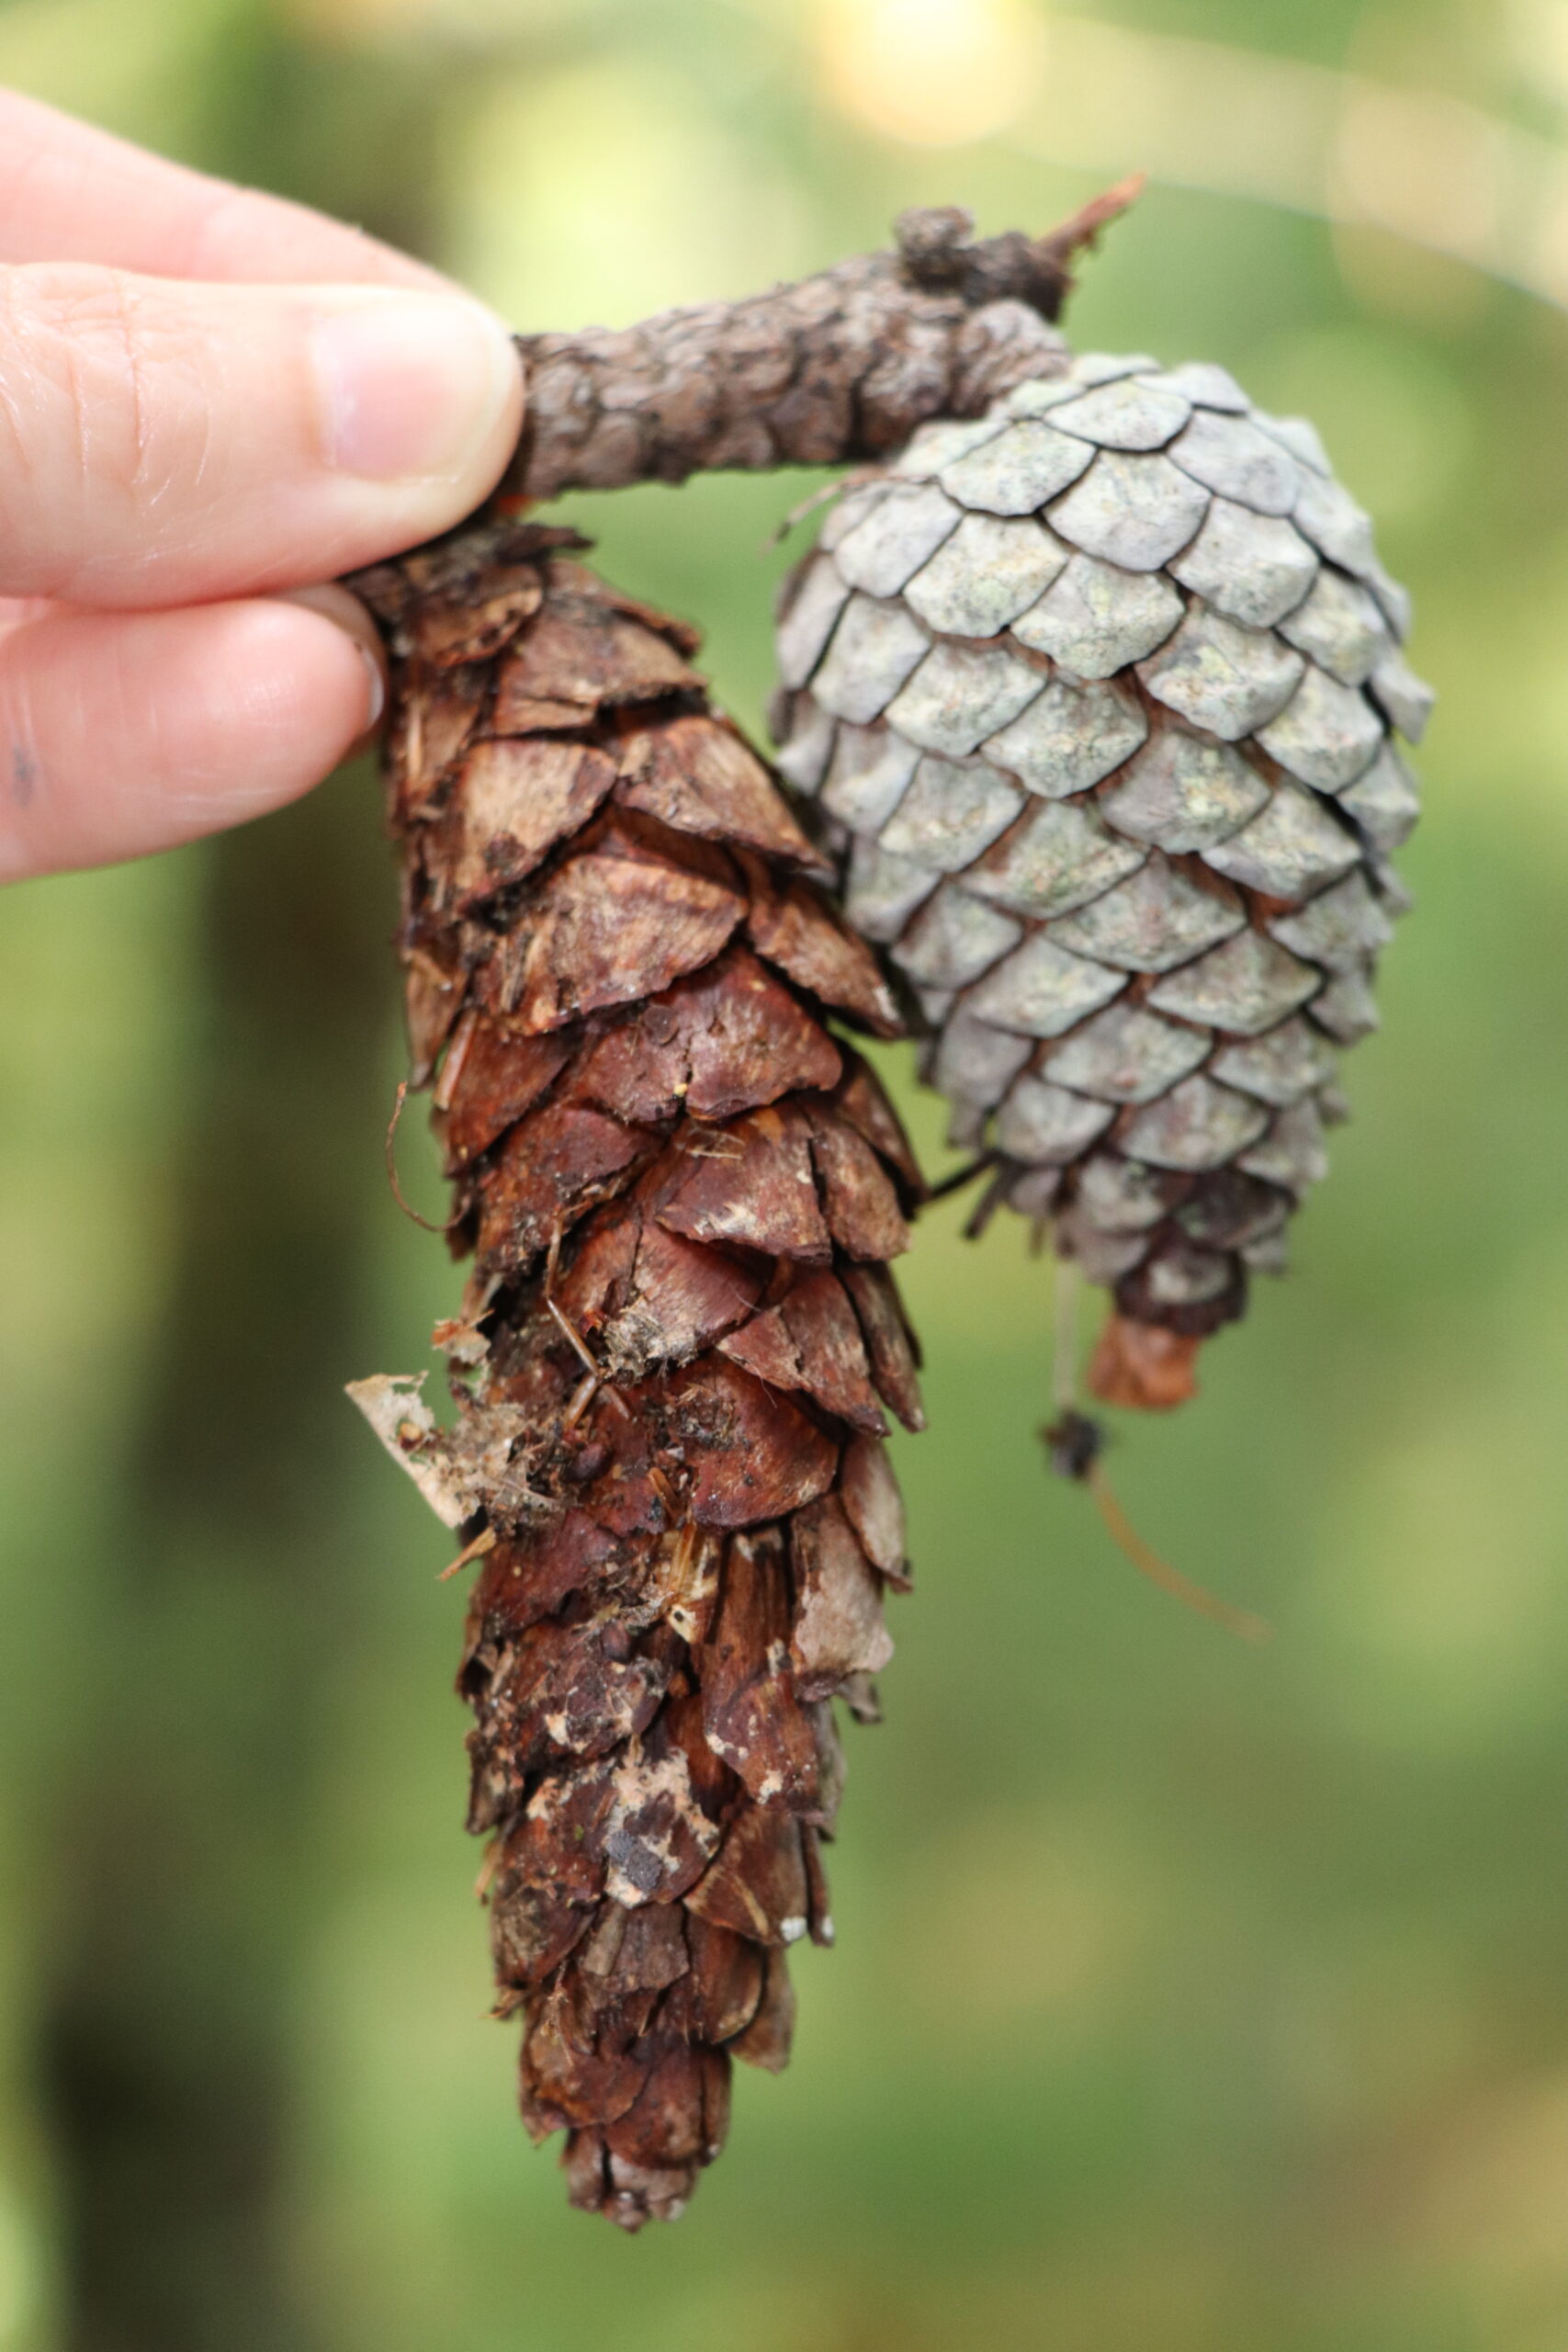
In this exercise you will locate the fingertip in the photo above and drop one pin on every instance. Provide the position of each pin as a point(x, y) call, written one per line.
point(173, 443)
point(287, 691)
point(140, 731)
point(419, 394)
point(344, 609)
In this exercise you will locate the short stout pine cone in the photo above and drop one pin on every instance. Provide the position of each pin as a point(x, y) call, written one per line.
point(678, 1345)
point(1096, 697)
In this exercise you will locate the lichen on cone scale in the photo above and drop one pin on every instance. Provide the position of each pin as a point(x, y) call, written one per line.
point(1094, 701)
point(674, 1360)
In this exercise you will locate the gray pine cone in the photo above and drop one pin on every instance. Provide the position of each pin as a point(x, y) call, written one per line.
point(1094, 700)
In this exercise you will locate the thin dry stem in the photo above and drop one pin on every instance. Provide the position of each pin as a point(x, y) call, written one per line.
point(1148, 1563)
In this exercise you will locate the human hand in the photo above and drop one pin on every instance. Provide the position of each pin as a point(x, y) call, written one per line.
point(211, 400)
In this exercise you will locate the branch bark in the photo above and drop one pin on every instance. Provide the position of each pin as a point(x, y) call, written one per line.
point(838, 369)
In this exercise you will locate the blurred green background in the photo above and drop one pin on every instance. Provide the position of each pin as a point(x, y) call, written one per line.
point(1186, 1995)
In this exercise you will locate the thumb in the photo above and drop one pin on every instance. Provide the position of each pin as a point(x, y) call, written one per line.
point(167, 443)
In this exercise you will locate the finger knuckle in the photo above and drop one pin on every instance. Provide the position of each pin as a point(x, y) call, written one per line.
point(105, 394)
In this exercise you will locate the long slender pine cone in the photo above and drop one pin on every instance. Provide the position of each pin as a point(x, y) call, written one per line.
point(675, 1350)
point(1098, 696)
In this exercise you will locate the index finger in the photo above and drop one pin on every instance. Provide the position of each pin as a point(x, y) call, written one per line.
point(68, 192)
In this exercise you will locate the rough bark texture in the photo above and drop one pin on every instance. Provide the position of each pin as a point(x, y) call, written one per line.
point(674, 1354)
point(840, 367)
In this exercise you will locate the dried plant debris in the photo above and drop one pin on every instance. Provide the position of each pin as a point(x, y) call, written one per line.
point(678, 1352)
point(1094, 699)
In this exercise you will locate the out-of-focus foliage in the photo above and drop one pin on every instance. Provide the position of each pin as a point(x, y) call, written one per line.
point(1184, 1993)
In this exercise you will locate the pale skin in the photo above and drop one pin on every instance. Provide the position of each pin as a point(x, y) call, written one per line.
point(212, 404)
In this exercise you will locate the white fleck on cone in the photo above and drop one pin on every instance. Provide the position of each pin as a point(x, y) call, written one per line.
point(1095, 698)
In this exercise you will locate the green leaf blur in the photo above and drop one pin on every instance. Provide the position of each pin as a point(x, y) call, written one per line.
point(1185, 1995)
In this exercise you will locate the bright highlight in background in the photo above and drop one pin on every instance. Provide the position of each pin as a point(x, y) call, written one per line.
point(936, 72)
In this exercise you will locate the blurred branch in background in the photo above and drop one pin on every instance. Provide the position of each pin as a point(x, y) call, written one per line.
point(219, 1628)
point(1062, 88)
point(1425, 165)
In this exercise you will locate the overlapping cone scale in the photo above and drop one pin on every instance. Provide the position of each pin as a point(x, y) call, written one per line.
point(1094, 701)
point(680, 1345)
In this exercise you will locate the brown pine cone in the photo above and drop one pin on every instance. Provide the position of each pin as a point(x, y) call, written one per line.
point(674, 1351)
